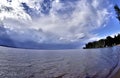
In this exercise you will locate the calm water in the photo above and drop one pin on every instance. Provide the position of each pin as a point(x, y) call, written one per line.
point(20, 63)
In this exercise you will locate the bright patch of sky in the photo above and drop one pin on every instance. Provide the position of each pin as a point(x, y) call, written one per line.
point(58, 21)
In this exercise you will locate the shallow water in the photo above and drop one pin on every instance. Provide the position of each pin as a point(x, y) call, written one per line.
point(21, 63)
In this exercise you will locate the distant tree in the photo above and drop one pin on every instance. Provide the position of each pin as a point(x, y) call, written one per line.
point(89, 45)
point(101, 43)
point(118, 39)
point(109, 41)
point(117, 10)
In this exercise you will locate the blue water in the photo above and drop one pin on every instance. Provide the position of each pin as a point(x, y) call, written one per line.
point(22, 63)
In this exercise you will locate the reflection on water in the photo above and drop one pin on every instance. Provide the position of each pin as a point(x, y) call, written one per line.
point(95, 63)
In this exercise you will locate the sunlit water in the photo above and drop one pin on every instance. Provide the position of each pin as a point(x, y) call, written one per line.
point(20, 63)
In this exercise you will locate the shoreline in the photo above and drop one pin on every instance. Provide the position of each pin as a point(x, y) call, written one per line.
point(117, 74)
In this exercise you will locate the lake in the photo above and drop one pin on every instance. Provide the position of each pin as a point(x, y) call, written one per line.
point(74, 63)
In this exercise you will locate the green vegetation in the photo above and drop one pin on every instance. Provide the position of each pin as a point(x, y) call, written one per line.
point(117, 10)
point(108, 41)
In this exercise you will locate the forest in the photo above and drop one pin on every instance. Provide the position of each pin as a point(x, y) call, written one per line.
point(107, 42)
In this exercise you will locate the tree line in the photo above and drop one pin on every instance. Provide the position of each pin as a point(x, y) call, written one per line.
point(108, 41)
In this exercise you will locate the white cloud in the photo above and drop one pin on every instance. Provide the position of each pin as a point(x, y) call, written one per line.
point(70, 21)
point(12, 10)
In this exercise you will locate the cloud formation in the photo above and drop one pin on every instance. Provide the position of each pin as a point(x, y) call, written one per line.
point(53, 21)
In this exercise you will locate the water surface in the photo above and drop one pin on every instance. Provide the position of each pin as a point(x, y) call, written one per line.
point(21, 63)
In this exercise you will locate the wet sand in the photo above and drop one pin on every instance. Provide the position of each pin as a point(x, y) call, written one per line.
point(117, 74)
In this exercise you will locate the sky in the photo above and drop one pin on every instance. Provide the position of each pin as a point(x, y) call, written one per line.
point(59, 21)
point(113, 26)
